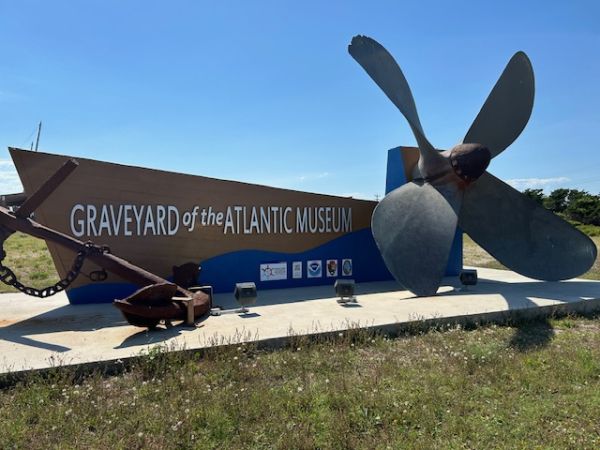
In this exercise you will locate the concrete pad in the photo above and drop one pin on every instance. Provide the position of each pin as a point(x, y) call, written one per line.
point(42, 333)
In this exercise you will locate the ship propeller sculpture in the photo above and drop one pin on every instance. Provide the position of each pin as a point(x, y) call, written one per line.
point(414, 225)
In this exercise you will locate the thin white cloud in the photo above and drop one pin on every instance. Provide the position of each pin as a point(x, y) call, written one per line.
point(8, 96)
point(536, 183)
point(313, 176)
point(359, 195)
point(9, 179)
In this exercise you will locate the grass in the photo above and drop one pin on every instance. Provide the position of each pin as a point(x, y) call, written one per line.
point(535, 385)
point(474, 255)
point(590, 230)
point(30, 259)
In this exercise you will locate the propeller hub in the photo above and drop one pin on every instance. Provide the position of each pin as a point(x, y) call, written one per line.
point(469, 161)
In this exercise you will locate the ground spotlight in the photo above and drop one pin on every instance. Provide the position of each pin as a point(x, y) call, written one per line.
point(245, 294)
point(468, 277)
point(344, 289)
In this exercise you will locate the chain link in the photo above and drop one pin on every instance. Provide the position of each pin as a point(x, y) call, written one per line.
point(8, 276)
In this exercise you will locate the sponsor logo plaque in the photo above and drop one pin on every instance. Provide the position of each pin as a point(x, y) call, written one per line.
point(273, 271)
point(297, 269)
point(332, 267)
point(314, 269)
point(346, 267)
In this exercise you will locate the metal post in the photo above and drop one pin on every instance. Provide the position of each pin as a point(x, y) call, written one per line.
point(37, 141)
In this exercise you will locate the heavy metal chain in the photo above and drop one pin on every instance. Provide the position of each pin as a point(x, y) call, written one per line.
point(8, 276)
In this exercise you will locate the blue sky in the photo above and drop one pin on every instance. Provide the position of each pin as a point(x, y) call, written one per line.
point(265, 91)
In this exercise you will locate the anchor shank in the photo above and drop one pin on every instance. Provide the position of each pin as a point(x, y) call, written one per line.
point(110, 262)
point(46, 189)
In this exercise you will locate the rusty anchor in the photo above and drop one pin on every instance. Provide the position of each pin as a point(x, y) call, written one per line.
point(157, 300)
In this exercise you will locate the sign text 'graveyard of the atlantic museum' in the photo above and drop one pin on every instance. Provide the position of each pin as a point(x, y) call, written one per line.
point(167, 220)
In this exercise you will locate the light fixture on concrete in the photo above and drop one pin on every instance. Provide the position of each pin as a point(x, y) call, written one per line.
point(245, 294)
point(468, 277)
point(344, 289)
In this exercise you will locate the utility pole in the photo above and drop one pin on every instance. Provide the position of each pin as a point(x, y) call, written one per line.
point(37, 141)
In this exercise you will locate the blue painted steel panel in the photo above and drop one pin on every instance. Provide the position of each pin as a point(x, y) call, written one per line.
point(223, 271)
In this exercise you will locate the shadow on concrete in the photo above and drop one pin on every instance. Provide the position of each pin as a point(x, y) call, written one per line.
point(155, 336)
point(304, 294)
point(82, 318)
point(61, 319)
point(533, 330)
point(520, 295)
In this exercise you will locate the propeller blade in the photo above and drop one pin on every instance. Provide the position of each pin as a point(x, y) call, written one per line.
point(414, 227)
point(507, 109)
point(522, 235)
point(386, 73)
